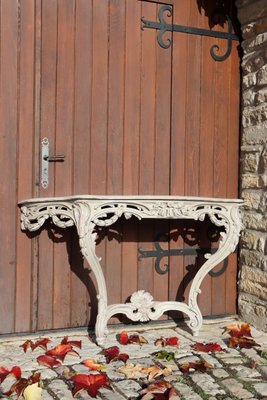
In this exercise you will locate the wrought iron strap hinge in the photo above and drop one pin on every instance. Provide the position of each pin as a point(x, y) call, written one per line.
point(162, 26)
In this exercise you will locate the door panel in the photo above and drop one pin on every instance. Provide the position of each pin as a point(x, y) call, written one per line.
point(130, 118)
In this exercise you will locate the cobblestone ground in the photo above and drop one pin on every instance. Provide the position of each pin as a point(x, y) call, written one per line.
point(235, 373)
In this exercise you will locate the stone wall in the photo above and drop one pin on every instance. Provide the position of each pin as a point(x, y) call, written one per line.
point(252, 301)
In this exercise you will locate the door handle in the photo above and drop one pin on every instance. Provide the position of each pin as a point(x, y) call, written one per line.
point(45, 160)
point(56, 157)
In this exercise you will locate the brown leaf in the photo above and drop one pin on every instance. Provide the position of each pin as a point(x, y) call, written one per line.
point(26, 345)
point(241, 342)
point(75, 343)
point(238, 330)
point(200, 366)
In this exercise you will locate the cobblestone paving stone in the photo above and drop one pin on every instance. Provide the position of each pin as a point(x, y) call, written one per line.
point(236, 374)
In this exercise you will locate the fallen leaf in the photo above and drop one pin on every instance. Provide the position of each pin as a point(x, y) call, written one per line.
point(238, 330)
point(171, 341)
point(241, 342)
point(26, 345)
point(160, 390)
point(20, 386)
point(4, 372)
point(92, 365)
point(200, 366)
point(33, 392)
point(113, 353)
point(208, 347)
point(48, 361)
point(41, 343)
point(132, 371)
point(124, 338)
point(137, 339)
point(90, 383)
point(61, 350)
point(154, 372)
point(164, 355)
point(75, 343)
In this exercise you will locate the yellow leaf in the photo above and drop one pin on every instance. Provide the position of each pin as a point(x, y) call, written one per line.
point(33, 392)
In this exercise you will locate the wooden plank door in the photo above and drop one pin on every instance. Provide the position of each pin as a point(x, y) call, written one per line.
point(130, 117)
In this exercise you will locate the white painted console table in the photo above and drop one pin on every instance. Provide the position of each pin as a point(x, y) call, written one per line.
point(87, 212)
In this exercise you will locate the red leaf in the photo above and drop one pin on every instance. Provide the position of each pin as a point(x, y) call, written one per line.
point(90, 383)
point(172, 341)
point(110, 353)
point(206, 348)
point(241, 342)
point(238, 330)
point(61, 350)
point(48, 361)
point(19, 386)
point(76, 343)
point(4, 371)
point(124, 338)
point(26, 345)
point(16, 371)
point(123, 357)
point(41, 343)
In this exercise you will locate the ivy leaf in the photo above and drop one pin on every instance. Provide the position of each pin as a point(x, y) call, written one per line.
point(48, 361)
point(241, 342)
point(92, 365)
point(26, 345)
point(4, 372)
point(75, 343)
point(206, 348)
point(238, 330)
point(61, 350)
point(113, 353)
point(200, 366)
point(164, 355)
point(41, 343)
point(90, 383)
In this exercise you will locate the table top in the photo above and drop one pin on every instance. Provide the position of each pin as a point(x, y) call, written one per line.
point(145, 198)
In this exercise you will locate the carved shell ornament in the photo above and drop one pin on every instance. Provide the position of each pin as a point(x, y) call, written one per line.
point(143, 302)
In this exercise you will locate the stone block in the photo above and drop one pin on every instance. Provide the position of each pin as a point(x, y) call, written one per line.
point(249, 80)
point(249, 240)
point(261, 96)
point(255, 221)
point(252, 198)
point(254, 282)
point(248, 97)
point(262, 75)
point(250, 162)
point(252, 258)
point(250, 181)
point(252, 135)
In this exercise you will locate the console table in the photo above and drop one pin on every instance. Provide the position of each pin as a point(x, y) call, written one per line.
point(87, 212)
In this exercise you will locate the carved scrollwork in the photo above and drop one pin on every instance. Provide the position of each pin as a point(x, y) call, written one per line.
point(143, 304)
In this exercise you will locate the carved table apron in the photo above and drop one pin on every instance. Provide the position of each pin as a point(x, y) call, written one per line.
point(87, 212)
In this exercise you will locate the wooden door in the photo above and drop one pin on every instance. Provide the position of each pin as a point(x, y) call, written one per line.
point(130, 117)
